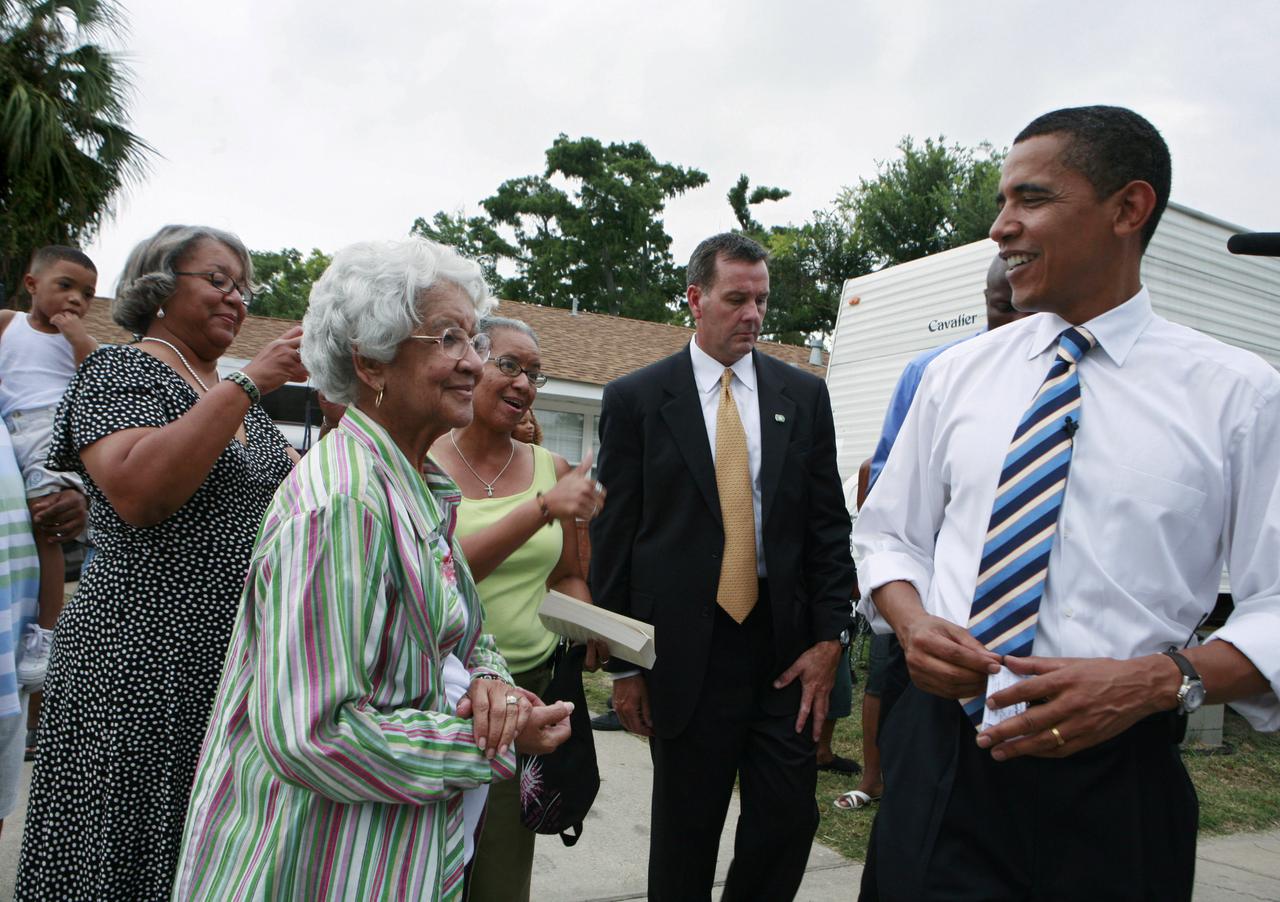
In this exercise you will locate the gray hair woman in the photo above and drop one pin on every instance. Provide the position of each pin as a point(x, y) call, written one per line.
point(361, 699)
point(179, 467)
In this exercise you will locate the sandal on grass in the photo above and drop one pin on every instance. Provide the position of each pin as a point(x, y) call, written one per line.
point(854, 799)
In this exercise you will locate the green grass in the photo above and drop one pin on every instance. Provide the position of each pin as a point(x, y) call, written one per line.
point(1239, 785)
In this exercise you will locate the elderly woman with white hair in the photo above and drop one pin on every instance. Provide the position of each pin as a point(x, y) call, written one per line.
point(179, 467)
point(362, 699)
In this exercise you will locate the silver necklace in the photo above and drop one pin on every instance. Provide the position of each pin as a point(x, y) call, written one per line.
point(196, 376)
point(488, 486)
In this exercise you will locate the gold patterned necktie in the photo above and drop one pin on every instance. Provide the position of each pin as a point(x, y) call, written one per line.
point(738, 587)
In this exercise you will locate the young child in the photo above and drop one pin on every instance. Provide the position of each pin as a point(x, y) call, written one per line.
point(39, 353)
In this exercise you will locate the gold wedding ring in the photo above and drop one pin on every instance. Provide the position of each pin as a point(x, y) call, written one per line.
point(1058, 736)
point(513, 700)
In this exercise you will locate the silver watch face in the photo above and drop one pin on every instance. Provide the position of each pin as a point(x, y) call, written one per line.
point(1192, 695)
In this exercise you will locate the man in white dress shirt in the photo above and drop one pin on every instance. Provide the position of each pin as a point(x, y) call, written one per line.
point(1173, 472)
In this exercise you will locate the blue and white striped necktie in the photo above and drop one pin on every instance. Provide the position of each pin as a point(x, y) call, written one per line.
point(1024, 518)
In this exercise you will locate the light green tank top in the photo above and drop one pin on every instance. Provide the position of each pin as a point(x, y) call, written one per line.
point(511, 593)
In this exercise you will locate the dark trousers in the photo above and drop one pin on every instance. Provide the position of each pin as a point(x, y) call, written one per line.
point(730, 736)
point(1117, 821)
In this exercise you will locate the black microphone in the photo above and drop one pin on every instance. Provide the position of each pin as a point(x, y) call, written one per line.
point(1255, 244)
point(1071, 425)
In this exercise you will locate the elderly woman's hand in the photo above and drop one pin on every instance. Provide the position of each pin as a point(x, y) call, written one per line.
point(576, 494)
point(499, 710)
point(277, 363)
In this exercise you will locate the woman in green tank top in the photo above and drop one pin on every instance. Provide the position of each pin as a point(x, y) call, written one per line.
point(516, 526)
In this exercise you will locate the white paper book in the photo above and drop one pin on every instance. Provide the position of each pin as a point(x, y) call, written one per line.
point(628, 639)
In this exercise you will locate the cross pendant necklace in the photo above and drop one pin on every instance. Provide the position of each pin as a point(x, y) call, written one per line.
point(488, 486)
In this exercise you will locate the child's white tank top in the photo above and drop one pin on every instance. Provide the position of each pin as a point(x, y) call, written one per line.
point(34, 367)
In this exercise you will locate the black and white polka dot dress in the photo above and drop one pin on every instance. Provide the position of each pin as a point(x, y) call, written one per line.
point(138, 651)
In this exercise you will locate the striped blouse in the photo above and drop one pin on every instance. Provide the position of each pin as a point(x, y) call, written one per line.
point(332, 768)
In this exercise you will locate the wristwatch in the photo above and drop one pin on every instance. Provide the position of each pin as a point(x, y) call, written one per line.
point(1191, 692)
point(846, 638)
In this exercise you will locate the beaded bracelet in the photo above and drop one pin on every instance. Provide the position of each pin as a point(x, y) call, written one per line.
point(250, 389)
point(542, 506)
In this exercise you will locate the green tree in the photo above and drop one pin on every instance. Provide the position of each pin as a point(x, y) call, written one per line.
point(587, 232)
point(932, 198)
point(283, 279)
point(65, 150)
point(473, 237)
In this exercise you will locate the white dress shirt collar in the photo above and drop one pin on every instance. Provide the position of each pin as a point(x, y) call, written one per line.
point(1117, 330)
point(707, 370)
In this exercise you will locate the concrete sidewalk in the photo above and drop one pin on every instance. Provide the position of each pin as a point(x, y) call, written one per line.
point(608, 863)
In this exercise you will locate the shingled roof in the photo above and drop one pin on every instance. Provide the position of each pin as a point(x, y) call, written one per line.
point(584, 347)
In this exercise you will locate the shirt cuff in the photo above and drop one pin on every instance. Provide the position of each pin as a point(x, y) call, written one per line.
point(885, 567)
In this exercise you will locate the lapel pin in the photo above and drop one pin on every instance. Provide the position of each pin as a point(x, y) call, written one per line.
point(779, 418)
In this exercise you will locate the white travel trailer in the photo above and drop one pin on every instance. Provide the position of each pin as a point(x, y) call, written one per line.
point(888, 317)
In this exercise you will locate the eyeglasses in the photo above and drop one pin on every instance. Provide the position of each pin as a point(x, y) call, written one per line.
point(511, 368)
point(455, 341)
point(224, 283)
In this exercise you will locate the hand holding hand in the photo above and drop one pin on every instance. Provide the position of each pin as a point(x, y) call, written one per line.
point(816, 669)
point(631, 703)
point(61, 516)
point(277, 363)
point(576, 494)
point(1089, 700)
point(945, 659)
point(499, 710)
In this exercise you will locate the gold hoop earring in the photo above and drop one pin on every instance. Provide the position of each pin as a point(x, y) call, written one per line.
point(377, 402)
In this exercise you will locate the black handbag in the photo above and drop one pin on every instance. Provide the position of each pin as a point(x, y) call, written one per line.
point(557, 789)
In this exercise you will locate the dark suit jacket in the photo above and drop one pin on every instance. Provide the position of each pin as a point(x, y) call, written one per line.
point(656, 544)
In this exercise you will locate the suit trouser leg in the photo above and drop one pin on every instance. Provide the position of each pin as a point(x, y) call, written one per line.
point(730, 736)
point(778, 777)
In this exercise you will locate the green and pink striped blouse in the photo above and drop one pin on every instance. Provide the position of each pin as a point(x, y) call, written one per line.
point(332, 767)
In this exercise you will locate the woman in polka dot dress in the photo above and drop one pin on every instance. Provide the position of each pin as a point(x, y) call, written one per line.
point(179, 468)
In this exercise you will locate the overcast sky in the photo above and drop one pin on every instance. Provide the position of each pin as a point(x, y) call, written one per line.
point(318, 123)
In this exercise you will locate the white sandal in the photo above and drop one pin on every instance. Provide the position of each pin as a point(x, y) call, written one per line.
point(854, 799)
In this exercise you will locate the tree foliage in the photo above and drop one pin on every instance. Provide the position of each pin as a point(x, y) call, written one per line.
point(934, 197)
point(65, 150)
point(588, 231)
point(283, 281)
point(473, 237)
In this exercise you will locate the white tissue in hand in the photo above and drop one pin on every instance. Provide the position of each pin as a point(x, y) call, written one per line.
point(995, 682)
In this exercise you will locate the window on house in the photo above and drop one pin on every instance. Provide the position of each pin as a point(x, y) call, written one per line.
point(562, 433)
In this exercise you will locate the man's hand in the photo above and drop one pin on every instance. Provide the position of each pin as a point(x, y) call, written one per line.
point(60, 517)
point(816, 669)
point(944, 658)
point(1087, 700)
point(631, 703)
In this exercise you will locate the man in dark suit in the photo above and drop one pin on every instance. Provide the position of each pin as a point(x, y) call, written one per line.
point(726, 529)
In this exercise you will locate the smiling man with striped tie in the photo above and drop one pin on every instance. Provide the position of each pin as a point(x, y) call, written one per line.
point(1048, 533)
